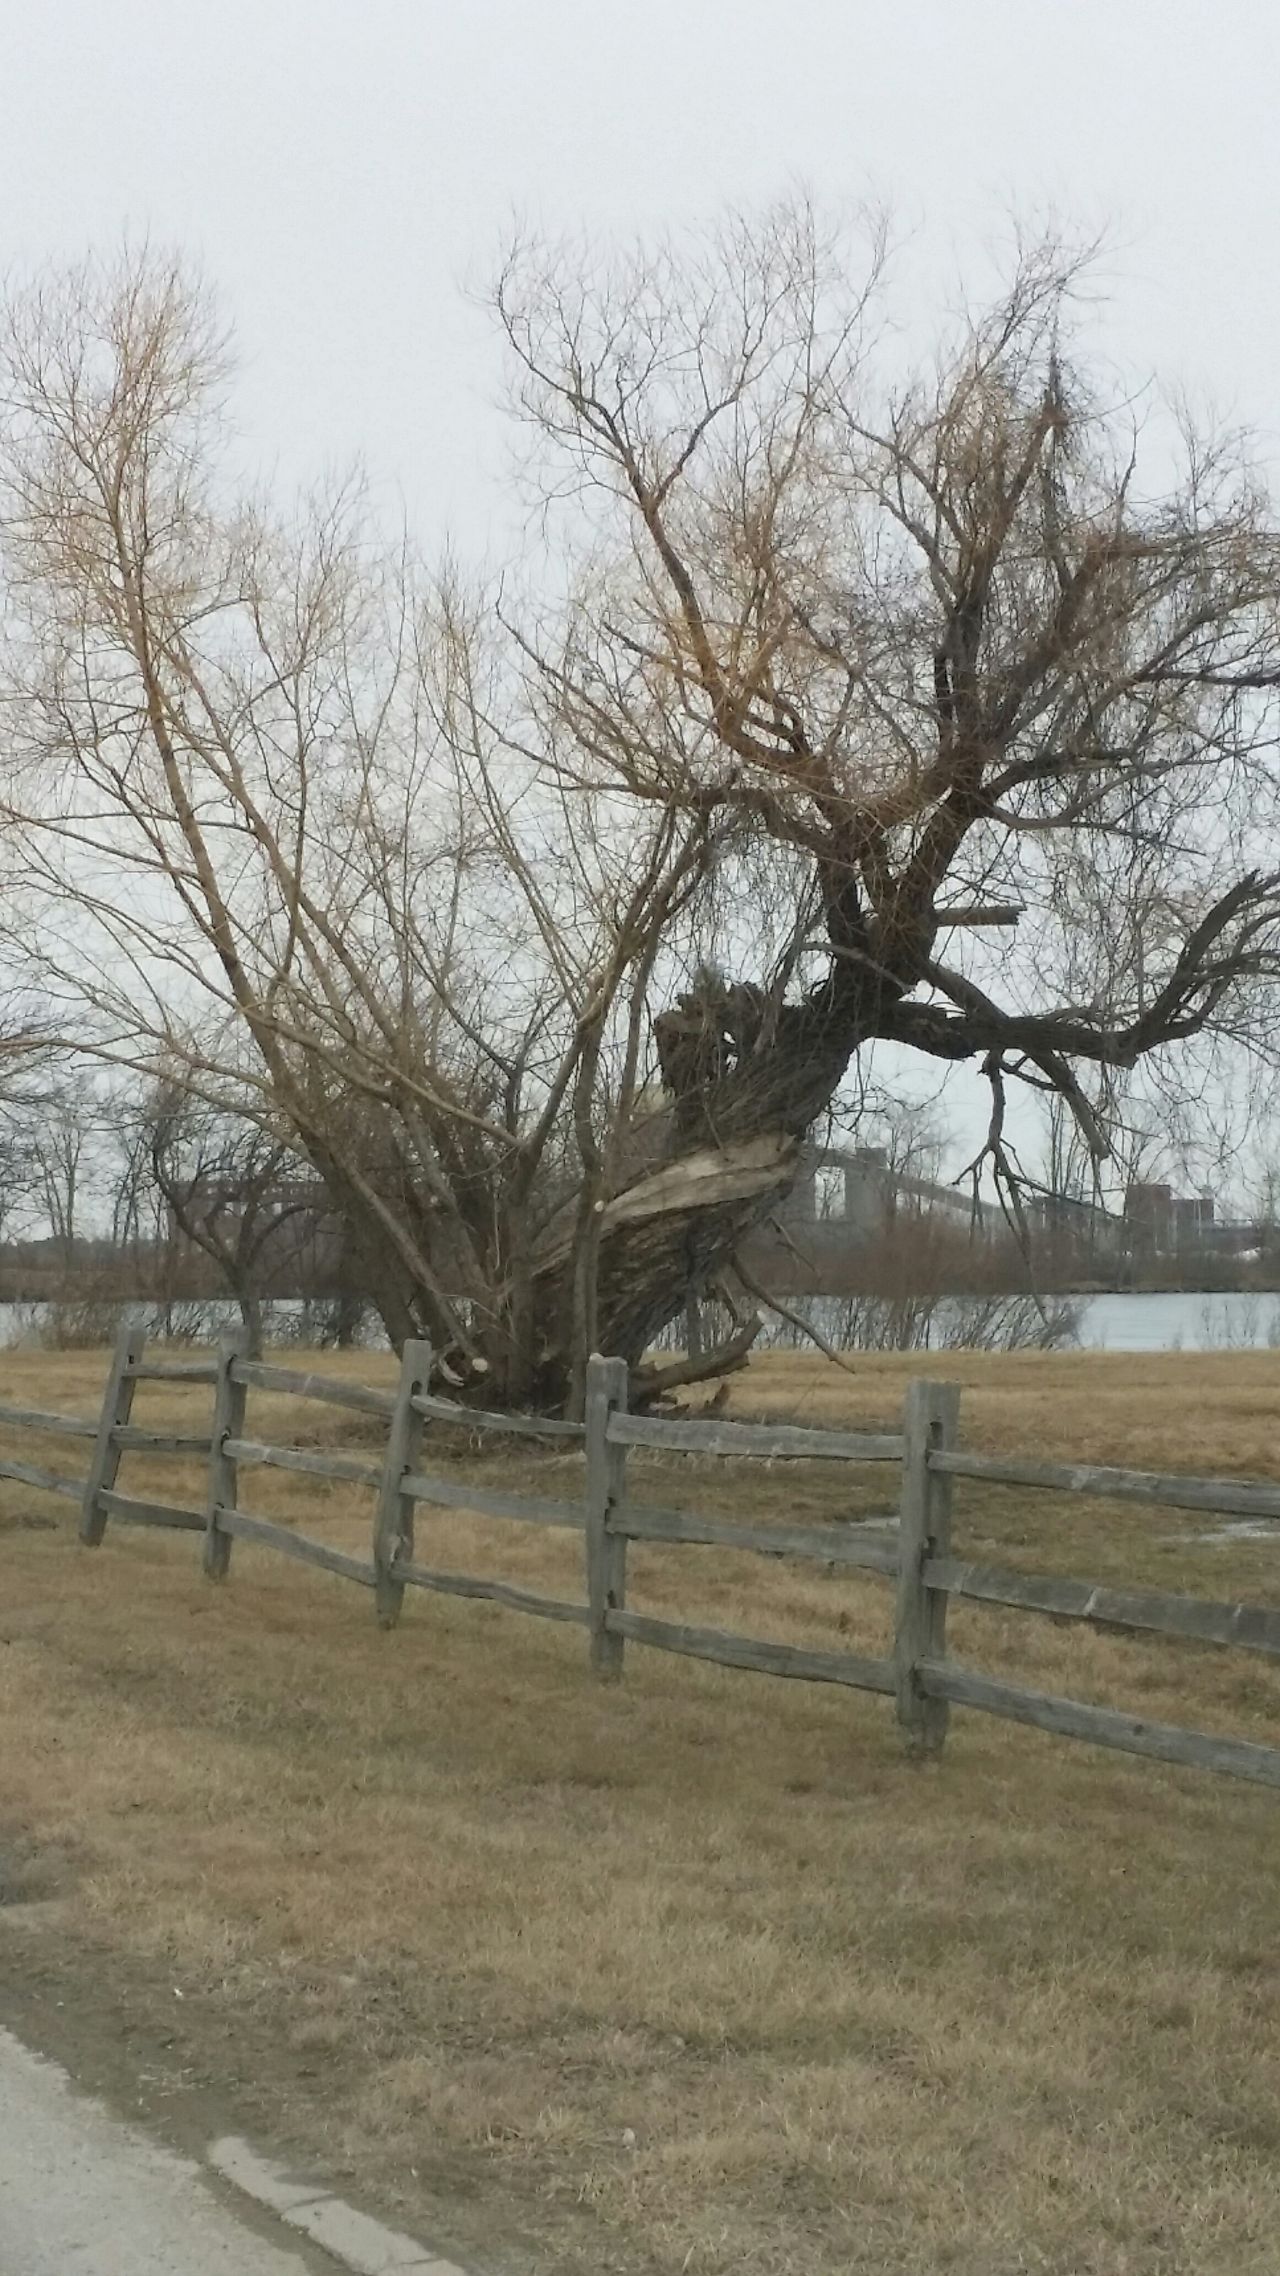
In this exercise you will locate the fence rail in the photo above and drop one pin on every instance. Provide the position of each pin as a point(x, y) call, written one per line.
point(59, 1426)
point(175, 1371)
point(781, 1442)
point(492, 1592)
point(821, 1545)
point(1251, 1626)
point(130, 1511)
point(1225, 1497)
point(454, 1493)
point(485, 1420)
point(242, 1526)
point(248, 1452)
point(919, 1672)
point(44, 1481)
point(756, 1654)
point(256, 1375)
point(1102, 1726)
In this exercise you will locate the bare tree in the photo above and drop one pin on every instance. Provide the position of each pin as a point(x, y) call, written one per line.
point(229, 1189)
point(866, 707)
point(28, 1059)
point(61, 1129)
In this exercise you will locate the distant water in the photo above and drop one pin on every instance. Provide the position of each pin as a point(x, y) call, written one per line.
point(20, 1323)
point(1185, 1320)
point(1231, 1321)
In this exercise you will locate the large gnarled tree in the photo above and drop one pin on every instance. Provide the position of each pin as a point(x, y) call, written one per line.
point(553, 920)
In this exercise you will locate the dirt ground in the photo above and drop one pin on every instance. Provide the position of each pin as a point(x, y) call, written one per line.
point(696, 1973)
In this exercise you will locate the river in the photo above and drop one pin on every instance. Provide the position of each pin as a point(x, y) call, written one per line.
point(1180, 1321)
point(1184, 1321)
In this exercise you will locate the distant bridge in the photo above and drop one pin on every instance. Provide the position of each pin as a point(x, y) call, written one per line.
point(844, 1195)
point(857, 1190)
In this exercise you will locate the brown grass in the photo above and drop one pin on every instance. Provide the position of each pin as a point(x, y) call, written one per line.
point(694, 1974)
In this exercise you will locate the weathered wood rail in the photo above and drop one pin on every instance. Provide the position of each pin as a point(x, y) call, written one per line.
point(48, 1425)
point(1223, 1497)
point(919, 1673)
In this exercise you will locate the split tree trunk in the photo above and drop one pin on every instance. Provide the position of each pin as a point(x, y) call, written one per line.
point(740, 1103)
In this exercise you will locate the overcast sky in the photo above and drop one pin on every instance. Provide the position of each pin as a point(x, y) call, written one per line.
point(341, 169)
point(340, 166)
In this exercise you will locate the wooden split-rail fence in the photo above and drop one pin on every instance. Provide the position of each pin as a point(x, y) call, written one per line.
point(919, 1674)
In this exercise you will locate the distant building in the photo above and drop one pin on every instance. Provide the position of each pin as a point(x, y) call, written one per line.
point(1148, 1217)
point(1193, 1221)
point(1161, 1223)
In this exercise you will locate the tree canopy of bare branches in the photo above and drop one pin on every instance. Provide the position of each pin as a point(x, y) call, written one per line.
point(839, 701)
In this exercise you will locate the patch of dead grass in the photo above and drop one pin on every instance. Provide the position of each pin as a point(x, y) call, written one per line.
point(695, 1973)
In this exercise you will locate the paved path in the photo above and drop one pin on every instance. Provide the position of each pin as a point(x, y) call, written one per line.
point(83, 2195)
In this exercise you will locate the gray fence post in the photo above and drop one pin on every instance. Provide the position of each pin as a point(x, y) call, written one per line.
point(228, 1422)
point(393, 1516)
point(606, 1475)
point(924, 1531)
point(117, 1405)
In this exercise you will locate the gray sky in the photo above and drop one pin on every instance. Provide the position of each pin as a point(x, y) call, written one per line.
point(341, 168)
point(339, 165)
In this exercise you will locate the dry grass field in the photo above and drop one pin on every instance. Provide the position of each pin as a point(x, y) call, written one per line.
point(696, 1973)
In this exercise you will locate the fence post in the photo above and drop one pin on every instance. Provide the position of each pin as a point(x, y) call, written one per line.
point(228, 1422)
point(117, 1405)
point(924, 1531)
point(393, 1516)
point(606, 1473)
